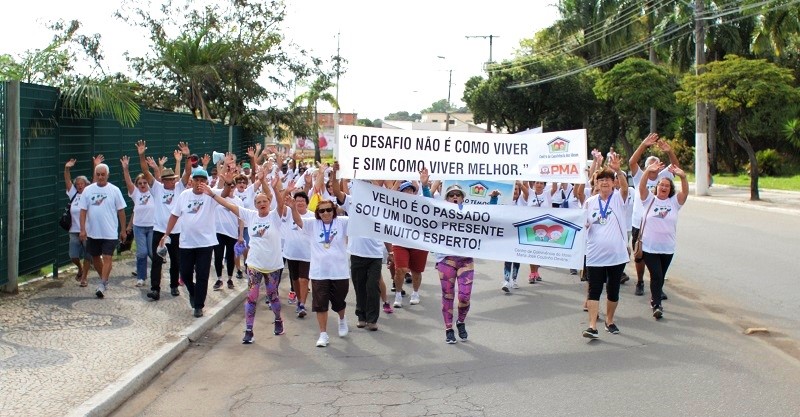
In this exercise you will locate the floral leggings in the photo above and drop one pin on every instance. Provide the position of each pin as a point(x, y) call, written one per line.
point(452, 269)
point(271, 281)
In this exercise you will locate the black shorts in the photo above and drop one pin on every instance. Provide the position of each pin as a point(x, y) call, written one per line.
point(97, 247)
point(297, 269)
point(329, 292)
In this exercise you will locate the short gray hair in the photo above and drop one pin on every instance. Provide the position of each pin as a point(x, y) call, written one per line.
point(101, 167)
point(650, 160)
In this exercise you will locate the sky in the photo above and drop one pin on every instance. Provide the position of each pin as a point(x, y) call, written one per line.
point(392, 48)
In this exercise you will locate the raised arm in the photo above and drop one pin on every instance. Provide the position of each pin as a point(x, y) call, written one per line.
point(187, 170)
point(683, 194)
point(337, 188)
point(614, 164)
point(141, 147)
point(643, 191)
point(633, 162)
point(664, 146)
point(224, 202)
point(67, 175)
point(127, 175)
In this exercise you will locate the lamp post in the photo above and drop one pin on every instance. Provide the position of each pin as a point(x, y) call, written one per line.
point(447, 109)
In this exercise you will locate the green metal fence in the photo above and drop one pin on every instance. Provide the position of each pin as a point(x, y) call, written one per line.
point(3, 181)
point(50, 138)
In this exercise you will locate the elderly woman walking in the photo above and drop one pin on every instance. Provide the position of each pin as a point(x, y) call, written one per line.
point(77, 248)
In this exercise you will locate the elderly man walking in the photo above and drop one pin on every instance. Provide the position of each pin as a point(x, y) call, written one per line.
point(102, 213)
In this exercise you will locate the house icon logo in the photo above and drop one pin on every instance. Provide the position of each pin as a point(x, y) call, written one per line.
point(548, 231)
point(478, 190)
point(558, 145)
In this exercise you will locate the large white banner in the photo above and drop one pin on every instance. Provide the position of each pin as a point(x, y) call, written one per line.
point(390, 154)
point(529, 235)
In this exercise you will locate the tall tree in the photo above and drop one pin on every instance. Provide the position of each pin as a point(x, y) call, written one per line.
point(748, 92)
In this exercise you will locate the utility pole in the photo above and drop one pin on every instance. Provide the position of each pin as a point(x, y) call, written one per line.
point(336, 107)
point(488, 74)
point(701, 125)
point(447, 110)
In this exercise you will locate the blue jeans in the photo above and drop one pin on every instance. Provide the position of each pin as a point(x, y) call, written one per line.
point(144, 244)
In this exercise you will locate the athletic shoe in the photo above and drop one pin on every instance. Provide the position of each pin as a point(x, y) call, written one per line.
point(514, 284)
point(538, 277)
point(625, 278)
point(248, 337)
point(154, 295)
point(372, 327)
point(504, 287)
point(398, 301)
point(230, 284)
point(414, 298)
point(278, 328)
point(408, 278)
point(218, 285)
point(361, 324)
point(450, 336)
point(302, 313)
point(462, 331)
point(343, 329)
point(323, 340)
point(531, 278)
point(639, 288)
point(198, 312)
point(292, 297)
point(658, 312)
point(573, 272)
point(590, 333)
point(612, 328)
point(664, 296)
point(387, 308)
point(239, 274)
point(174, 292)
point(101, 290)
point(140, 283)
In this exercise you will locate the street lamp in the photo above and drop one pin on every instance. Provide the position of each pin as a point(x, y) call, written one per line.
point(447, 109)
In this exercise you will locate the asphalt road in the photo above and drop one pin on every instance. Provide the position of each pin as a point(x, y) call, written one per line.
point(525, 354)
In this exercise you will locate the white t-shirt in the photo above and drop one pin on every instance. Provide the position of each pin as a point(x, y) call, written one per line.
point(75, 210)
point(541, 200)
point(248, 196)
point(197, 213)
point(567, 194)
point(636, 220)
point(662, 224)
point(165, 200)
point(265, 239)
point(227, 222)
point(144, 208)
point(295, 246)
point(630, 203)
point(362, 246)
point(101, 205)
point(606, 244)
point(330, 262)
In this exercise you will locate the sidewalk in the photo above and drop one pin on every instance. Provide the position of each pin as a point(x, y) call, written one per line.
point(64, 352)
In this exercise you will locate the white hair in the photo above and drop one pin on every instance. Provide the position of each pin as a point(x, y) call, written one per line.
point(651, 160)
point(100, 167)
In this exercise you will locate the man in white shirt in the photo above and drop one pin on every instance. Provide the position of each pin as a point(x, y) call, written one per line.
point(102, 213)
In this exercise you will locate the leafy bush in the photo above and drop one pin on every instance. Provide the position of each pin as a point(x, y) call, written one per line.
point(770, 163)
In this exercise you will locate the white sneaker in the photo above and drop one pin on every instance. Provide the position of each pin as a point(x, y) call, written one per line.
point(514, 285)
point(398, 300)
point(140, 283)
point(323, 340)
point(505, 286)
point(343, 329)
point(414, 298)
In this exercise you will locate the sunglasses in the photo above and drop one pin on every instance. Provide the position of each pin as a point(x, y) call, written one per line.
point(325, 210)
point(451, 195)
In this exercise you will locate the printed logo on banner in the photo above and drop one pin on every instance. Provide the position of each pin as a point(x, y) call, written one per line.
point(559, 169)
point(548, 231)
point(558, 145)
point(478, 190)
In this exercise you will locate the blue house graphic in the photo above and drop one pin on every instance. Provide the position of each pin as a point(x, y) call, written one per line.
point(548, 231)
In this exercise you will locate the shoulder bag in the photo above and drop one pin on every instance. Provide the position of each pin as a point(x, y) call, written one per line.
point(637, 246)
point(65, 221)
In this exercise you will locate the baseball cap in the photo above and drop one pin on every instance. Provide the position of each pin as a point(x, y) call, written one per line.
point(407, 184)
point(199, 172)
point(245, 166)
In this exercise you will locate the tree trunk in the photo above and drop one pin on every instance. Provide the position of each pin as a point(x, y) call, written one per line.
point(751, 155)
point(623, 140)
point(712, 138)
point(317, 153)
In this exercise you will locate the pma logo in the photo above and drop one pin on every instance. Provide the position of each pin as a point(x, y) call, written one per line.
point(478, 190)
point(558, 145)
point(548, 231)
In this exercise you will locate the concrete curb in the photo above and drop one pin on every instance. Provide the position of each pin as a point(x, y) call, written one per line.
point(114, 395)
point(712, 199)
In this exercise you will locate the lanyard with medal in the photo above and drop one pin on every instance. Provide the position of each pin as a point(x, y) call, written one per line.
point(604, 210)
point(327, 235)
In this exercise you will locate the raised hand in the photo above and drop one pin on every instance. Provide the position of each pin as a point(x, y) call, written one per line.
point(651, 139)
point(70, 163)
point(162, 161)
point(124, 161)
point(97, 160)
point(424, 176)
point(141, 147)
point(178, 155)
point(205, 159)
point(151, 162)
point(677, 171)
point(613, 162)
point(251, 152)
point(655, 167)
point(663, 145)
point(184, 147)
point(494, 193)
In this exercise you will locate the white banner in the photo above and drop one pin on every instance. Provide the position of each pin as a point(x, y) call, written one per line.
point(529, 235)
point(391, 154)
point(477, 192)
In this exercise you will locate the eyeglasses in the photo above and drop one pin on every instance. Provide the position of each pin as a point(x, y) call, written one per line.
point(451, 195)
point(325, 210)
point(241, 182)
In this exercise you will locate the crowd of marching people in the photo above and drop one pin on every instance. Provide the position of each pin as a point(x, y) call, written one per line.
point(255, 217)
